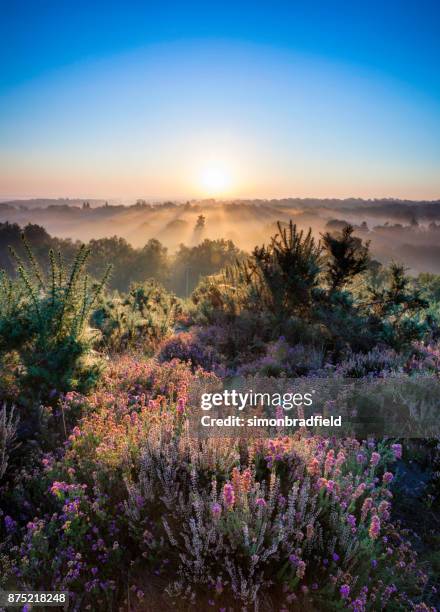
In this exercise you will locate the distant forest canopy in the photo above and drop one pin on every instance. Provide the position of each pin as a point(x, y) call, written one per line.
point(401, 230)
point(180, 272)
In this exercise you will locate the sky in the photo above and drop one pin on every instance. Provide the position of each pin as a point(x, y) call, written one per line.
point(239, 99)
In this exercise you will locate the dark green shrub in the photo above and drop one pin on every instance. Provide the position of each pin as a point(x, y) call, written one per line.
point(45, 322)
point(396, 310)
point(347, 257)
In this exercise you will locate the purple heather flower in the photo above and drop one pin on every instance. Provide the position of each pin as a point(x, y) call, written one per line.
point(293, 559)
point(330, 485)
point(360, 458)
point(397, 450)
point(260, 502)
point(344, 591)
point(10, 524)
point(335, 557)
point(216, 510)
point(351, 520)
point(387, 477)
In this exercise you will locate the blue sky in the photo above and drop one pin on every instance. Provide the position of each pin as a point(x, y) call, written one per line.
point(128, 99)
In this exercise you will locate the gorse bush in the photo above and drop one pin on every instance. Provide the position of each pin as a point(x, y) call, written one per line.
point(44, 320)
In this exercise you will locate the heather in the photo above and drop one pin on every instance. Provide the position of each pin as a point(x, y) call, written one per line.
point(107, 493)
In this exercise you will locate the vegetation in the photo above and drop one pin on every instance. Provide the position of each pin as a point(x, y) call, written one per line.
point(106, 492)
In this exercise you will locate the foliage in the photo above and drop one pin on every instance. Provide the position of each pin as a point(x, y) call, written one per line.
point(139, 320)
point(45, 321)
point(396, 309)
point(192, 263)
point(287, 520)
point(347, 257)
point(287, 270)
point(116, 500)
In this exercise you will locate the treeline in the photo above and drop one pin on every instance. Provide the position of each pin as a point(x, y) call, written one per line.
point(180, 273)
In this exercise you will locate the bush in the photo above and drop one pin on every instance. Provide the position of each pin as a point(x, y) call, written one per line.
point(139, 320)
point(187, 347)
point(45, 322)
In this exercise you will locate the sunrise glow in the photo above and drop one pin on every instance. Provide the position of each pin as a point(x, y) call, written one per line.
point(215, 180)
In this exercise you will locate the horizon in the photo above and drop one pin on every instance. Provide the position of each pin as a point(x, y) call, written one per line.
point(112, 201)
point(227, 101)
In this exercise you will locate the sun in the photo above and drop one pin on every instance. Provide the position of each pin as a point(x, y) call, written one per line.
point(215, 180)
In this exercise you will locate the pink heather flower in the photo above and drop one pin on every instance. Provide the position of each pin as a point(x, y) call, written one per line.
point(313, 467)
point(366, 507)
point(360, 490)
point(322, 482)
point(383, 509)
point(329, 461)
point(387, 477)
point(375, 458)
point(340, 459)
point(260, 502)
point(246, 480)
point(58, 487)
point(300, 569)
point(228, 495)
point(344, 591)
point(310, 531)
point(397, 450)
point(374, 527)
point(181, 405)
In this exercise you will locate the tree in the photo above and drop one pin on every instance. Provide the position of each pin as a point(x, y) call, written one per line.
point(347, 257)
point(397, 308)
point(290, 267)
